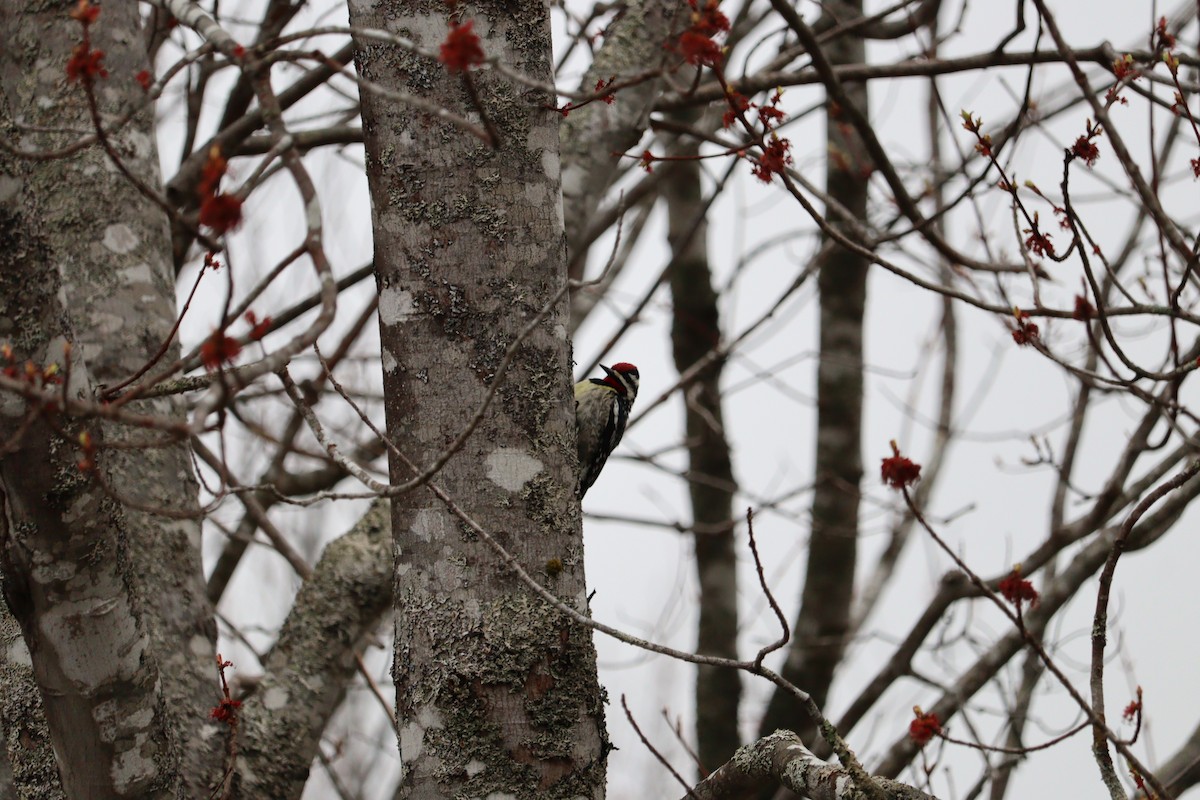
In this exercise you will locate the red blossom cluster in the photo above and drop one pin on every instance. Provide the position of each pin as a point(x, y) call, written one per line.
point(218, 349)
point(220, 211)
point(1085, 148)
point(29, 372)
point(923, 727)
point(1039, 243)
point(1084, 310)
point(898, 471)
point(769, 115)
point(601, 90)
point(1017, 590)
point(1124, 68)
point(144, 79)
point(225, 711)
point(461, 49)
point(696, 44)
point(258, 327)
point(1162, 37)
point(1134, 709)
point(774, 160)
point(1125, 71)
point(983, 141)
point(1026, 331)
point(776, 155)
point(86, 64)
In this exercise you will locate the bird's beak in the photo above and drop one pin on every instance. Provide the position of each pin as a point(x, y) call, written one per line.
point(609, 372)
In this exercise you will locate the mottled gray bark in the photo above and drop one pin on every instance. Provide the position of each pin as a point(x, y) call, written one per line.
point(313, 661)
point(595, 133)
point(781, 760)
point(695, 331)
point(31, 771)
point(496, 692)
point(825, 608)
point(86, 262)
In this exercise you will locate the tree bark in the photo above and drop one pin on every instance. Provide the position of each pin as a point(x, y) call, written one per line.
point(593, 136)
point(313, 661)
point(496, 692)
point(31, 771)
point(696, 330)
point(782, 760)
point(825, 608)
point(70, 560)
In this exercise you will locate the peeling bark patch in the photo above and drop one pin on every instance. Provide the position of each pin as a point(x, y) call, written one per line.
point(275, 698)
point(427, 525)
point(139, 273)
point(18, 654)
point(412, 742)
point(396, 305)
point(67, 629)
point(511, 469)
point(119, 238)
point(199, 646)
point(129, 769)
point(550, 163)
point(10, 187)
point(107, 323)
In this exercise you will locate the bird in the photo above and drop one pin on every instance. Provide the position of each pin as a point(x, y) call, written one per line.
point(601, 411)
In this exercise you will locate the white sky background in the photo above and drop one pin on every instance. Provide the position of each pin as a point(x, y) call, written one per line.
point(643, 576)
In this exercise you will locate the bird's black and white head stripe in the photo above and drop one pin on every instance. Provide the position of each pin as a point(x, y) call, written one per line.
point(624, 378)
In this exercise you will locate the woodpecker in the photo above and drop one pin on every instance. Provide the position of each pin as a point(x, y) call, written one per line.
point(601, 411)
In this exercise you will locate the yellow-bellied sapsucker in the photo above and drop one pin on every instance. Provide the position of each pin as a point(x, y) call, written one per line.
point(601, 411)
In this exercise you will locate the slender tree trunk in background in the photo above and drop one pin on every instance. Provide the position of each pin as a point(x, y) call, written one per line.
point(825, 610)
point(121, 637)
point(696, 330)
point(496, 692)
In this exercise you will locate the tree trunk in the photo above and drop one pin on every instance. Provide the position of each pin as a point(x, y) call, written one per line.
point(496, 692)
point(696, 330)
point(825, 609)
point(109, 598)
